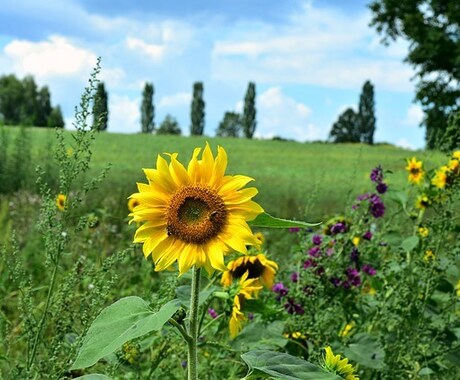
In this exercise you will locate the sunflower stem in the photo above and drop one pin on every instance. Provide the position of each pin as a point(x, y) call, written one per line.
point(193, 330)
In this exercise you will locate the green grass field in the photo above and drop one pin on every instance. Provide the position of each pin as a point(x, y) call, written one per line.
point(293, 178)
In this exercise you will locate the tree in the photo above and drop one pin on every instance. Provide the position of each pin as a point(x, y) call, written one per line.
point(169, 126)
point(29, 103)
point(44, 108)
point(55, 119)
point(345, 129)
point(147, 109)
point(11, 96)
point(197, 110)
point(366, 116)
point(100, 108)
point(451, 139)
point(249, 111)
point(230, 126)
point(432, 28)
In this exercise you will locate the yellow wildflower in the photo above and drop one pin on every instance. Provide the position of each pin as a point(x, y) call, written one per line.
point(335, 364)
point(415, 169)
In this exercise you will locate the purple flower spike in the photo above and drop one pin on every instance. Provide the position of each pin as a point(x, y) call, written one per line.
point(309, 263)
point(294, 229)
point(369, 269)
point(376, 206)
point(293, 308)
point(295, 277)
point(338, 228)
point(377, 174)
point(316, 240)
point(354, 255)
point(212, 313)
point(280, 289)
point(381, 188)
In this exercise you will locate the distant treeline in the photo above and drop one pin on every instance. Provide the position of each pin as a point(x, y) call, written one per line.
point(22, 102)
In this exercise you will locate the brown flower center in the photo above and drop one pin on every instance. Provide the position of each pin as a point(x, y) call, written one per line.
point(255, 269)
point(195, 214)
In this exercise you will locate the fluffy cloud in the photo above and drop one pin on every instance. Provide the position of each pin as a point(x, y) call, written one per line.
point(56, 56)
point(414, 116)
point(280, 115)
point(154, 51)
point(177, 100)
point(124, 114)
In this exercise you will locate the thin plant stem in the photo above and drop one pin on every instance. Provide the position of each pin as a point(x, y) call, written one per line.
point(193, 329)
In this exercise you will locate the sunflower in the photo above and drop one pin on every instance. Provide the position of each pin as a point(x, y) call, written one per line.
point(422, 202)
point(246, 289)
point(258, 268)
point(456, 155)
point(132, 202)
point(346, 329)
point(440, 177)
point(415, 169)
point(335, 364)
point(423, 232)
point(61, 200)
point(195, 215)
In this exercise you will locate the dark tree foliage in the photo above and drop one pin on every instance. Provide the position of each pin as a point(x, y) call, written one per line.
point(197, 110)
point(56, 120)
point(346, 128)
point(29, 104)
point(11, 98)
point(366, 114)
point(147, 109)
point(169, 126)
point(230, 126)
point(433, 29)
point(43, 107)
point(451, 139)
point(249, 111)
point(100, 108)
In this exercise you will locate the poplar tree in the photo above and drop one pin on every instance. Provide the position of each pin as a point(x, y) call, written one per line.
point(197, 110)
point(100, 108)
point(147, 109)
point(43, 109)
point(366, 115)
point(249, 111)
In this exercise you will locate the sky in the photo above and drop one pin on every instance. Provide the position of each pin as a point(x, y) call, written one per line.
point(308, 58)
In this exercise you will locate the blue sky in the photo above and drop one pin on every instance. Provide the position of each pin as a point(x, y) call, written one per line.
point(309, 60)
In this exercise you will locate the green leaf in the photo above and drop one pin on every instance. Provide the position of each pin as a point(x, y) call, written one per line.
point(284, 366)
point(126, 319)
point(268, 221)
point(410, 243)
point(94, 376)
point(183, 293)
point(258, 336)
point(366, 351)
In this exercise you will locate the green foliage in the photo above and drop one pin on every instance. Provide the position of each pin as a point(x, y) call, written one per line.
point(169, 126)
point(56, 120)
point(451, 138)
point(366, 114)
point(197, 112)
point(100, 108)
point(44, 108)
point(230, 126)
point(346, 128)
point(249, 111)
point(147, 109)
point(265, 220)
point(431, 27)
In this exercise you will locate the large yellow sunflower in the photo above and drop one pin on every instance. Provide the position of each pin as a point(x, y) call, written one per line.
point(258, 267)
point(195, 215)
point(246, 289)
point(415, 169)
point(335, 364)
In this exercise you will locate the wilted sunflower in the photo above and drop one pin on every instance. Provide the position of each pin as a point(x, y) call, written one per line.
point(335, 364)
point(194, 215)
point(258, 267)
point(415, 169)
point(246, 289)
point(61, 201)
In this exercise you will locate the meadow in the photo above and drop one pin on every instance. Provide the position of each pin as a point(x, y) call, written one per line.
point(377, 281)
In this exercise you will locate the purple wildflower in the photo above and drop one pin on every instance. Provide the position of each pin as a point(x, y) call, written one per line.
point(381, 188)
point(309, 263)
point(314, 251)
point(369, 269)
point(346, 284)
point(338, 228)
point(354, 255)
point(376, 206)
point(293, 308)
point(377, 174)
point(367, 235)
point(280, 289)
point(316, 240)
point(335, 281)
point(319, 271)
point(363, 197)
point(295, 277)
point(353, 276)
point(294, 229)
point(212, 313)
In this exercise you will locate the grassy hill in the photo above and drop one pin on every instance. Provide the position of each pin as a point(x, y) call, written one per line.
point(293, 178)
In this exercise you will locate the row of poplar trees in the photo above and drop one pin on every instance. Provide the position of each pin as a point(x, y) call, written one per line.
point(232, 125)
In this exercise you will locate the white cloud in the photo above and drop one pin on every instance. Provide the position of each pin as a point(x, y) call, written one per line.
point(56, 56)
point(176, 100)
point(124, 114)
point(405, 143)
point(280, 115)
point(154, 51)
point(414, 116)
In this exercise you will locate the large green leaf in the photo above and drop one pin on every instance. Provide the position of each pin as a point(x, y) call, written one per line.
point(410, 243)
point(366, 351)
point(126, 319)
point(268, 221)
point(258, 336)
point(283, 366)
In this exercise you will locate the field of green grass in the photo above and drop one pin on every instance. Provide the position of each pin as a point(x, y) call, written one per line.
point(293, 178)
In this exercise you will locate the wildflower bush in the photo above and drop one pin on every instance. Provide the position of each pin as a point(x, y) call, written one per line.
point(373, 292)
